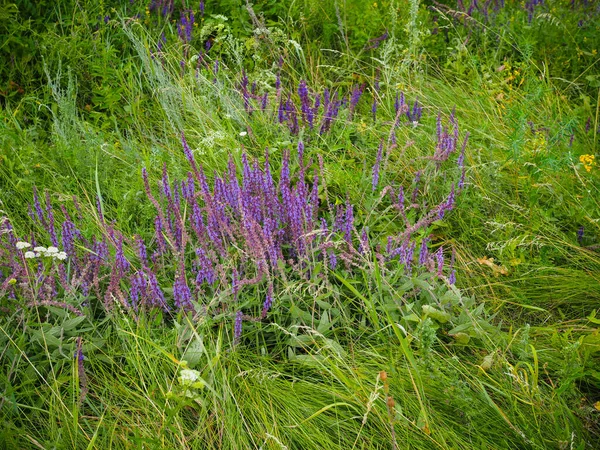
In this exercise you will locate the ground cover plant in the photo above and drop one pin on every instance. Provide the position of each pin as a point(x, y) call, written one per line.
point(339, 224)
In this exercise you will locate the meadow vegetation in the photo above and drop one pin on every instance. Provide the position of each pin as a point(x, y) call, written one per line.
point(300, 224)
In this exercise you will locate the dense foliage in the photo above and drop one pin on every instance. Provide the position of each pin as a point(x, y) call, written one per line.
point(299, 224)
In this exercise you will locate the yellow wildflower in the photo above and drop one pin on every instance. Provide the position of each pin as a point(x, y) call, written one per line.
point(587, 161)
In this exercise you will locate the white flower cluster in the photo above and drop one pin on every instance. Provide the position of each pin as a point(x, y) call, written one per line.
point(50, 252)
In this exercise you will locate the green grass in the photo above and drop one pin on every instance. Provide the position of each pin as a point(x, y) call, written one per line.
point(311, 376)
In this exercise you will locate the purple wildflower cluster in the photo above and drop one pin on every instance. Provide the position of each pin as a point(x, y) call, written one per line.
point(245, 227)
point(315, 110)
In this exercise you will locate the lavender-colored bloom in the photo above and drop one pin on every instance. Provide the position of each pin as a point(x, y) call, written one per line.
point(415, 114)
point(237, 328)
point(374, 109)
point(408, 258)
point(354, 98)
point(216, 67)
point(305, 102)
point(439, 257)
point(205, 268)
point(423, 252)
point(301, 153)
point(375, 178)
point(452, 277)
point(38, 207)
point(121, 263)
point(461, 158)
point(399, 104)
point(580, 234)
point(182, 295)
point(364, 241)
point(280, 112)
point(268, 301)
point(68, 237)
point(141, 251)
point(461, 182)
point(263, 101)
point(376, 42)
point(415, 193)
point(348, 222)
point(160, 239)
point(201, 7)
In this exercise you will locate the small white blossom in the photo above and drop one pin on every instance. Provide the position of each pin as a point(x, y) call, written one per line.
point(415, 123)
point(243, 133)
point(40, 249)
point(22, 245)
point(29, 255)
point(52, 250)
point(187, 376)
point(61, 256)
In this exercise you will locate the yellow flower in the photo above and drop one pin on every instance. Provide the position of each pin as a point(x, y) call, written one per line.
point(588, 161)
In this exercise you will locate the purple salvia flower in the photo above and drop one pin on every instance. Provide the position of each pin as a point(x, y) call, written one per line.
point(374, 109)
point(354, 98)
point(439, 257)
point(580, 234)
point(155, 294)
point(376, 167)
point(408, 260)
point(182, 295)
point(423, 252)
point(121, 263)
point(332, 260)
point(68, 231)
point(166, 187)
point(137, 289)
point(301, 153)
point(160, 239)
point(277, 82)
point(415, 114)
point(263, 101)
point(461, 158)
point(268, 301)
point(305, 102)
point(400, 201)
point(348, 222)
point(280, 112)
point(415, 193)
point(205, 268)
point(141, 251)
point(461, 182)
point(452, 277)
point(237, 327)
point(201, 7)
point(38, 207)
point(364, 241)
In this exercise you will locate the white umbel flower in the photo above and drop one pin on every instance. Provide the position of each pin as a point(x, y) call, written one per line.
point(60, 256)
point(52, 250)
point(29, 255)
point(40, 249)
point(187, 376)
point(22, 245)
